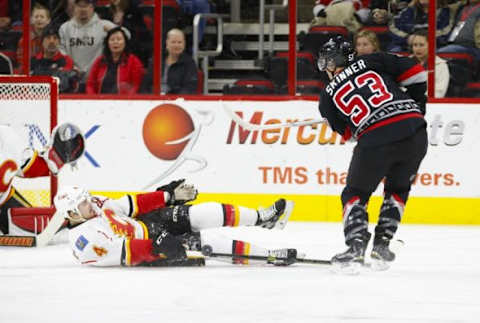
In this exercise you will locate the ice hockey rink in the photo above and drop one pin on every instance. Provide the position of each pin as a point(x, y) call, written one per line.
point(436, 278)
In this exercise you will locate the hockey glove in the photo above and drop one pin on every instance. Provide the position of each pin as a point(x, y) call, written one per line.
point(66, 146)
point(165, 243)
point(180, 193)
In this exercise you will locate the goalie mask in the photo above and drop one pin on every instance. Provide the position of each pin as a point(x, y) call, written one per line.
point(66, 146)
point(76, 204)
point(337, 52)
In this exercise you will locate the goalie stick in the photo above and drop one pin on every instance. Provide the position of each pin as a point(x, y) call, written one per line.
point(255, 127)
point(40, 240)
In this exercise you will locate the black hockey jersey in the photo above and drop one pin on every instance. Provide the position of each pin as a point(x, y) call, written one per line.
point(366, 99)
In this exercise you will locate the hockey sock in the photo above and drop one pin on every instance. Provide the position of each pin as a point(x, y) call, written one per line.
point(214, 215)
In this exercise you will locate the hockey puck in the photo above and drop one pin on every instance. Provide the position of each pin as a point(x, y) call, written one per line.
point(207, 250)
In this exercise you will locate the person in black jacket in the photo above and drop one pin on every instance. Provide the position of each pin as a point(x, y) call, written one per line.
point(364, 101)
point(179, 70)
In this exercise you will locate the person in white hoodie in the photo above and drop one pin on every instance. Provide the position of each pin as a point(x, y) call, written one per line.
point(82, 37)
point(420, 53)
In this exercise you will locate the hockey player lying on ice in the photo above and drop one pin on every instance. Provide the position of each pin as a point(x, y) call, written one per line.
point(157, 228)
point(65, 147)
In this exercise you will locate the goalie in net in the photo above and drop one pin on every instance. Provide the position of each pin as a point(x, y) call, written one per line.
point(159, 229)
point(66, 145)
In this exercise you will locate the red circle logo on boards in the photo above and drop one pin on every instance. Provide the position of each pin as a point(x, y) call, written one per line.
point(163, 124)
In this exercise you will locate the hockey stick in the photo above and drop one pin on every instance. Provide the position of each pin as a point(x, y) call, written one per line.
point(207, 252)
point(41, 240)
point(55, 223)
point(255, 127)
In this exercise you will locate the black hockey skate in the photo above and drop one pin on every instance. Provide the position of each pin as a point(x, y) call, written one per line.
point(276, 215)
point(282, 257)
point(381, 254)
point(350, 260)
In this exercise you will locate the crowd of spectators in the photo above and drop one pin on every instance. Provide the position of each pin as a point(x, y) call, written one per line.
point(106, 46)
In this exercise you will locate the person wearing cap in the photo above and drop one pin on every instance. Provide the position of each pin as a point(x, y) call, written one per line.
point(82, 37)
point(50, 61)
point(117, 70)
point(40, 18)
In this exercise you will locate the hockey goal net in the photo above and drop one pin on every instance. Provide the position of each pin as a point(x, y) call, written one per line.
point(29, 105)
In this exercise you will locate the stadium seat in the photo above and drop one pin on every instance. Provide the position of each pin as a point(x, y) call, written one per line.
point(276, 68)
point(249, 87)
point(319, 35)
point(201, 80)
point(472, 90)
point(306, 87)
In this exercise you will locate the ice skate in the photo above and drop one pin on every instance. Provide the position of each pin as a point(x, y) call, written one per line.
point(381, 254)
point(282, 257)
point(275, 216)
point(353, 258)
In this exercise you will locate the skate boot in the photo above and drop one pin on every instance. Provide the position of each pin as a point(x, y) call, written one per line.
point(381, 254)
point(282, 257)
point(354, 256)
point(276, 215)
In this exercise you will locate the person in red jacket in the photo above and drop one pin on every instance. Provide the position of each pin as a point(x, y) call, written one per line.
point(117, 70)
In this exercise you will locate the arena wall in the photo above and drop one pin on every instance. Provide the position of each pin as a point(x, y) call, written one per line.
point(134, 145)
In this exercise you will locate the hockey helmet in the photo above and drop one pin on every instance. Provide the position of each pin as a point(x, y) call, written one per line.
point(336, 52)
point(68, 199)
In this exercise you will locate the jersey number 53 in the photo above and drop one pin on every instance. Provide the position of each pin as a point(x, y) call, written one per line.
point(358, 108)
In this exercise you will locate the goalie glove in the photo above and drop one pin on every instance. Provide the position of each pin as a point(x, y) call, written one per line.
point(66, 146)
point(179, 192)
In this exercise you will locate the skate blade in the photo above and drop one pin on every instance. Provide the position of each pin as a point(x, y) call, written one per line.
point(349, 268)
point(379, 265)
point(282, 222)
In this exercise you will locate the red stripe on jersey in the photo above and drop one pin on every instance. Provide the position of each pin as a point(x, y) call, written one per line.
point(228, 215)
point(391, 120)
point(36, 167)
point(414, 70)
point(150, 201)
point(238, 248)
point(347, 134)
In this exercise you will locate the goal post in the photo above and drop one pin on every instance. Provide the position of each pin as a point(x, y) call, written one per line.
point(29, 104)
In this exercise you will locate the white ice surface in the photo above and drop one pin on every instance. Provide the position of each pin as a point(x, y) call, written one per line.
point(436, 278)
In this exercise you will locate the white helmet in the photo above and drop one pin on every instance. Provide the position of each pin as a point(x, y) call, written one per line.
point(67, 200)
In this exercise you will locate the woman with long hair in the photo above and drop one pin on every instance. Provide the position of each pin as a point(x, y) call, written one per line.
point(117, 70)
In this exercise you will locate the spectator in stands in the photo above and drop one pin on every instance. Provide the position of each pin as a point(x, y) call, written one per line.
point(82, 37)
point(117, 70)
point(366, 42)
point(10, 13)
point(50, 61)
point(465, 37)
point(343, 13)
point(125, 13)
point(39, 19)
point(62, 11)
point(6, 67)
point(382, 11)
point(420, 53)
point(179, 70)
point(413, 18)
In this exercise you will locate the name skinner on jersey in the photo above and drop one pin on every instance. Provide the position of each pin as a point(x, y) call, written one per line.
point(352, 69)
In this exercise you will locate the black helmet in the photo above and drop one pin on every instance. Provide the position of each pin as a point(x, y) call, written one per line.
point(336, 52)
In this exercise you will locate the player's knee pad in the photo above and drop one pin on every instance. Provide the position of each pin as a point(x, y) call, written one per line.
point(355, 220)
point(391, 214)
